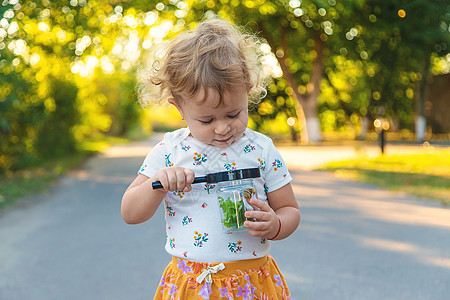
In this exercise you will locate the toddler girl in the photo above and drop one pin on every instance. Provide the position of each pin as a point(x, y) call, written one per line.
point(208, 74)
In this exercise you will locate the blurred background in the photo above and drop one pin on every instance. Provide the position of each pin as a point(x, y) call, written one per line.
point(343, 70)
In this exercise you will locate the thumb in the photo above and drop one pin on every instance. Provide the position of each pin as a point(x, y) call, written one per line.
point(190, 175)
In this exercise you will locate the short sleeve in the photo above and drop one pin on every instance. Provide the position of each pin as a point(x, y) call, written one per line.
point(154, 161)
point(275, 172)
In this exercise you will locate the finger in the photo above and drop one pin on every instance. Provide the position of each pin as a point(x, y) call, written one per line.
point(259, 226)
point(181, 180)
point(260, 204)
point(260, 229)
point(190, 175)
point(258, 233)
point(258, 214)
point(255, 233)
point(163, 178)
point(173, 181)
point(252, 225)
point(188, 178)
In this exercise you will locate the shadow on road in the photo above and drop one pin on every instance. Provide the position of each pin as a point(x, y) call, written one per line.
point(356, 241)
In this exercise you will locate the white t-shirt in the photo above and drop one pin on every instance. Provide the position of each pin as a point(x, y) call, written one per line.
point(193, 224)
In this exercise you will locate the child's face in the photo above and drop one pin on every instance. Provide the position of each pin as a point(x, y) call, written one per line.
point(218, 126)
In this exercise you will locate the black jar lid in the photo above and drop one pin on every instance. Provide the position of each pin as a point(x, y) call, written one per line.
point(221, 176)
point(233, 175)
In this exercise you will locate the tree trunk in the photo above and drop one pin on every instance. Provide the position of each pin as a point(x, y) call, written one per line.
point(306, 103)
point(292, 83)
point(364, 127)
point(313, 90)
point(421, 96)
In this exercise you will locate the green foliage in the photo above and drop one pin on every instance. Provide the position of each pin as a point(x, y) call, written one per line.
point(233, 213)
point(270, 114)
point(68, 68)
point(63, 78)
point(17, 122)
point(425, 173)
point(395, 41)
point(55, 137)
point(374, 58)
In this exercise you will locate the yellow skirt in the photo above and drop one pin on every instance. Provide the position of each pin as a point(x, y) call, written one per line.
point(253, 279)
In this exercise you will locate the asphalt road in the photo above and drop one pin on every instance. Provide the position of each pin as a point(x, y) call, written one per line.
point(354, 242)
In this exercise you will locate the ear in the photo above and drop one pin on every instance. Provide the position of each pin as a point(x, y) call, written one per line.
point(178, 107)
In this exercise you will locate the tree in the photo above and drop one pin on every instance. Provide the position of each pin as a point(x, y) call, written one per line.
point(51, 55)
point(299, 33)
point(399, 38)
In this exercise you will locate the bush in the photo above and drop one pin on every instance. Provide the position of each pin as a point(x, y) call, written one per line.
point(55, 137)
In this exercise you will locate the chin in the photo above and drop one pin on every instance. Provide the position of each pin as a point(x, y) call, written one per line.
point(221, 146)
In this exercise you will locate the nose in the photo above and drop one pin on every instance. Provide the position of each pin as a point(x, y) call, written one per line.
point(222, 127)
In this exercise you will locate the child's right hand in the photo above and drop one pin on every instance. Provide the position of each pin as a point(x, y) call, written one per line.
point(175, 179)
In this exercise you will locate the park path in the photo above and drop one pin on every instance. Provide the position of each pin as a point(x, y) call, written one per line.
point(354, 242)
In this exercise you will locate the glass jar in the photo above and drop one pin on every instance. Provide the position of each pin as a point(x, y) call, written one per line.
point(234, 200)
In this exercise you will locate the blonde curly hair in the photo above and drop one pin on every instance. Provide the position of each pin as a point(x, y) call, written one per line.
point(214, 55)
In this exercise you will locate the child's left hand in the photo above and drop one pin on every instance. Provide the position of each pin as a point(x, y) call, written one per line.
point(267, 225)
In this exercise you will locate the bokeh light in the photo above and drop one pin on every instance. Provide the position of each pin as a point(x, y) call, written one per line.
point(291, 121)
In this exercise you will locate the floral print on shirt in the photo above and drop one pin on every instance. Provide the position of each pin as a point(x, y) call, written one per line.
point(167, 160)
point(262, 164)
point(235, 247)
point(249, 148)
point(208, 187)
point(199, 159)
point(277, 164)
point(200, 239)
point(230, 166)
point(196, 210)
point(186, 220)
point(170, 211)
point(179, 194)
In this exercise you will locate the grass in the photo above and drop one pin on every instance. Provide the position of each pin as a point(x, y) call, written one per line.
point(14, 185)
point(425, 174)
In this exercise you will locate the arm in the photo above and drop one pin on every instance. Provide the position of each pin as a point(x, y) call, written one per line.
point(140, 201)
point(281, 205)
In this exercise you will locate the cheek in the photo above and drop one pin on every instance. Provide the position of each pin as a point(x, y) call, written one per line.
point(242, 122)
point(204, 131)
point(200, 132)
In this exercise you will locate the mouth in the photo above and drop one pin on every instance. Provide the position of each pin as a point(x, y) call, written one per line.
point(224, 141)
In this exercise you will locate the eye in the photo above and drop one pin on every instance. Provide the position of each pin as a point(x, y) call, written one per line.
point(206, 122)
point(234, 116)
